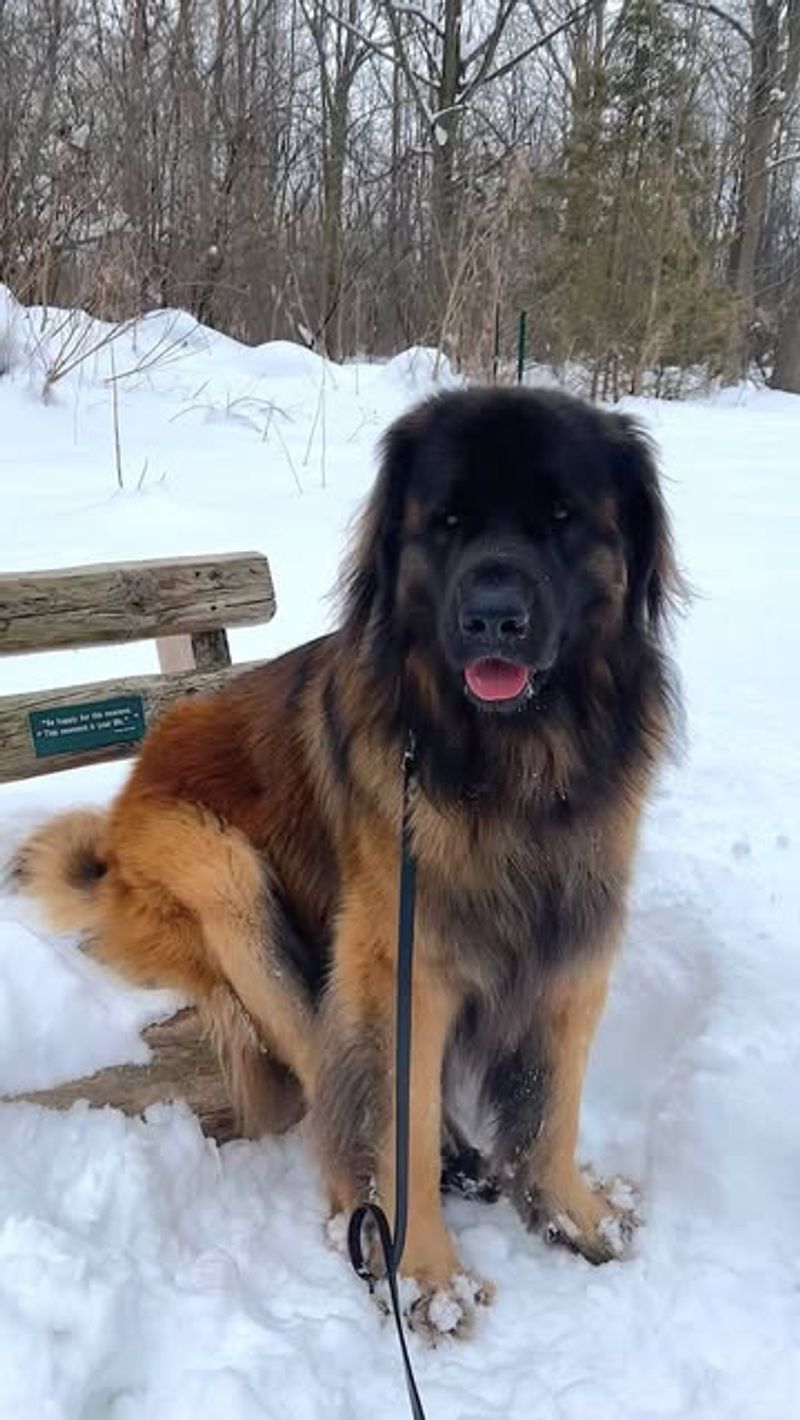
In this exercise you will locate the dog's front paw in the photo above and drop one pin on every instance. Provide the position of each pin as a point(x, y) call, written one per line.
point(440, 1312)
point(597, 1220)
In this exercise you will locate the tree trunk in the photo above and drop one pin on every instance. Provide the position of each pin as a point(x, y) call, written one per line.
point(447, 122)
point(786, 374)
point(764, 106)
point(333, 166)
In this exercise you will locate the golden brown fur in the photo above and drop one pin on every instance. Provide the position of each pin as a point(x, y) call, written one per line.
point(251, 861)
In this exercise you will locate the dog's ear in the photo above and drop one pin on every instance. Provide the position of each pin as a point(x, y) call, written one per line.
point(370, 572)
point(655, 585)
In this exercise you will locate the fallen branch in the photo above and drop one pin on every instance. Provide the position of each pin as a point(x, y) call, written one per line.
point(184, 1066)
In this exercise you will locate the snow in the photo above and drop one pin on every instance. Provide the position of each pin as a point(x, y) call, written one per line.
point(145, 1273)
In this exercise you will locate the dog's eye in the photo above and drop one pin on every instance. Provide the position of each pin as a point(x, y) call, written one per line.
point(446, 520)
point(560, 513)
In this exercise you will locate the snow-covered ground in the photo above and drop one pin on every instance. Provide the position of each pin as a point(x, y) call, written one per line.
point(147, 1275)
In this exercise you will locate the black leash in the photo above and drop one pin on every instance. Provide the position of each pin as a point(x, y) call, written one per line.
point(392, 1244)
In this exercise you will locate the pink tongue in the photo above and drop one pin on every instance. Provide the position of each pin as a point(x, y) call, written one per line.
point(493, 679)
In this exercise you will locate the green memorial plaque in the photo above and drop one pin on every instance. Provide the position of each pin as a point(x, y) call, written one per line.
point(68, 729)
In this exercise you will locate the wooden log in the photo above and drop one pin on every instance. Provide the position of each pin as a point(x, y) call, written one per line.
point(135, 702)
point(184, 1066)
point(132, 601)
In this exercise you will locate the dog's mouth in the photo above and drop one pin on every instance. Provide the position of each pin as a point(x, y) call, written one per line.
point(494, 681)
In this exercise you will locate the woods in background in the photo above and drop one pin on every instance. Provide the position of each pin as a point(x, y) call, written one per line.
point(367, 174)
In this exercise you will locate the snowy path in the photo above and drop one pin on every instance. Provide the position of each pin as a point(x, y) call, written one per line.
point(145, 1275)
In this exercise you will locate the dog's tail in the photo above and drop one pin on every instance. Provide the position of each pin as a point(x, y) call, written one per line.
point(62, 865)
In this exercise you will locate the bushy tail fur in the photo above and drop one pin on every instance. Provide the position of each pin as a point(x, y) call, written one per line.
point(62, 865)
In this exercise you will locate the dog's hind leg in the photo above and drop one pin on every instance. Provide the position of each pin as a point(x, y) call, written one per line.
point(266, 1096)
point(183, 861)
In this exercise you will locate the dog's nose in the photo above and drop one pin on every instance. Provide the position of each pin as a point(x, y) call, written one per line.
point(494, 613)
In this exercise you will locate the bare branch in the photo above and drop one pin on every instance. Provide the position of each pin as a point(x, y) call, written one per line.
point(782, 161)
point(523, 54)
point(719, 14)
point(427, 20)
point(487, 47)
point(402, 59)
point(377, 47)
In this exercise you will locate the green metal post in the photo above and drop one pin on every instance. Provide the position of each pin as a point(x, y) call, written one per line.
point(523, 317)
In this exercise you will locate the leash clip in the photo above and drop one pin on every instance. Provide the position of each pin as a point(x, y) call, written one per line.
point(409, 760)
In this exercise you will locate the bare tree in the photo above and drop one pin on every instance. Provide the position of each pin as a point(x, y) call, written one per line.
point(774, 64)
point(366, 174)
point(335, 26)
point(786, 372)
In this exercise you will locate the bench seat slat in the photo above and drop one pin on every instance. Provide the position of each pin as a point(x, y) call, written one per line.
point(18, 758)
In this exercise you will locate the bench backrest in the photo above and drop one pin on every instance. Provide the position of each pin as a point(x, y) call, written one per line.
point(185, 604)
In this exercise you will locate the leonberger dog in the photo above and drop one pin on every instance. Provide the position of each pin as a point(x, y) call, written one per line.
point(505, 602)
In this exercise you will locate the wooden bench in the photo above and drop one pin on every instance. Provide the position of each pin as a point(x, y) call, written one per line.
point(186, 605)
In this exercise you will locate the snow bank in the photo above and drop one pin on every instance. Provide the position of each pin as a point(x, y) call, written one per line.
point(145, 1274)
point(416, 368)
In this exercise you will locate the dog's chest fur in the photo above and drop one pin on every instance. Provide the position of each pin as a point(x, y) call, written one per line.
point(511, 905)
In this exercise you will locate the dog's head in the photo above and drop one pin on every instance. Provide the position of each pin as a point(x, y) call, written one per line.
point(512, 537)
